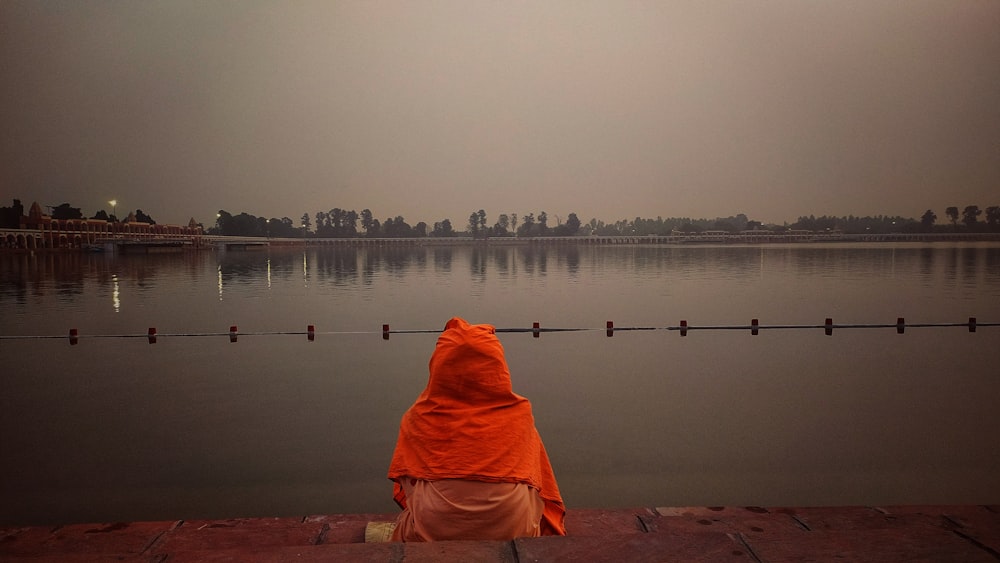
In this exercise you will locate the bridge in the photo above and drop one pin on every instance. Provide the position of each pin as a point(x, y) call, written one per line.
point(95, 240)
point(710, 237)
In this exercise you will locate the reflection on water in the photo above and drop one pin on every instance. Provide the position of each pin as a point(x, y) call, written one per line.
point(355, 288)
point(119, 429)
point(115, 297)
point(69, 275)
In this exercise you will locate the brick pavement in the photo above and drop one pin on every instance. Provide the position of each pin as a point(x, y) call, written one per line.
point(751, 534)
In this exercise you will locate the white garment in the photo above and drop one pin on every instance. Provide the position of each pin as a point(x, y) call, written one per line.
point(458, 509)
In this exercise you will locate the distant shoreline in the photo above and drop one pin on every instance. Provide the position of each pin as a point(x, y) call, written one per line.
point(12, 240)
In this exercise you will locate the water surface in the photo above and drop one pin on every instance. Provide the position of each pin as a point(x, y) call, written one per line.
point(115, 428)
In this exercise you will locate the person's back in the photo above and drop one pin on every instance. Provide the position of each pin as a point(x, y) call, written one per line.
point(469, 463)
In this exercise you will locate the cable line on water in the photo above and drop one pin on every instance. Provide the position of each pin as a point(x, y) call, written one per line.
point(536, 330)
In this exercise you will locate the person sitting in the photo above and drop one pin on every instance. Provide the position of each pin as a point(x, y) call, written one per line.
point(469, 463)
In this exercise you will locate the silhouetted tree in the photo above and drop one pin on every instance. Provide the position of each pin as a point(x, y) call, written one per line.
point(543, 224)
point(397, 228)
point(283, 228)
point(993, 215)
point(527, 225)
point(569, 228)
point(572, 224)
point(242, 225)
point(970, 216)
point(64, 211)
point(337, 223)
point(952, 213)
point(367, 221)
point(222, 221)
point(473, 227)
point(927, 220)
point(351, 223)
point(443, 229)
point(503, 222)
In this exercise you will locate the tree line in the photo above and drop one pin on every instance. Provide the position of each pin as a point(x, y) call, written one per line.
point(347, 223)
point(344, 223)
point(968, 217)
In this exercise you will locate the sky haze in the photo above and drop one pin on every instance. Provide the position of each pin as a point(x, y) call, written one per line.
point(433, 110)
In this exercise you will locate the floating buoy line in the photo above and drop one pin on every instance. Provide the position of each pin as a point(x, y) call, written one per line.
point(536, 330)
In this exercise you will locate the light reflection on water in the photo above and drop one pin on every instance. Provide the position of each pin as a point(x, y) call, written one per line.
point(115, 297)
point(118, 429)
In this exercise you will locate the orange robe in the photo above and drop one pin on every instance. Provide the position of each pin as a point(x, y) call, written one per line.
point(469, 425)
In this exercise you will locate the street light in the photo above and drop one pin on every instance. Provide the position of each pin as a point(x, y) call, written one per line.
point(114, 204)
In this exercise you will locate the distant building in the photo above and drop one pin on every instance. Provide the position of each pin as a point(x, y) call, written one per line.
point(37, 230)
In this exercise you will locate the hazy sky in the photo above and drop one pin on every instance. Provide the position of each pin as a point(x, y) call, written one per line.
point(435, 109)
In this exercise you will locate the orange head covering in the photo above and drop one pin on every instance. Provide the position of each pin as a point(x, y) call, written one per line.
point(469, 424)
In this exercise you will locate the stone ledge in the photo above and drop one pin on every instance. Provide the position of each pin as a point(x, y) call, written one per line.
point(904, 533)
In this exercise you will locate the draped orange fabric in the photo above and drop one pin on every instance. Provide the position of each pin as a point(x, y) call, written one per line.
point(469, 424)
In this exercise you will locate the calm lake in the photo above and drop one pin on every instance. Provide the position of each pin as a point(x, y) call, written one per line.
point(195, 426)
